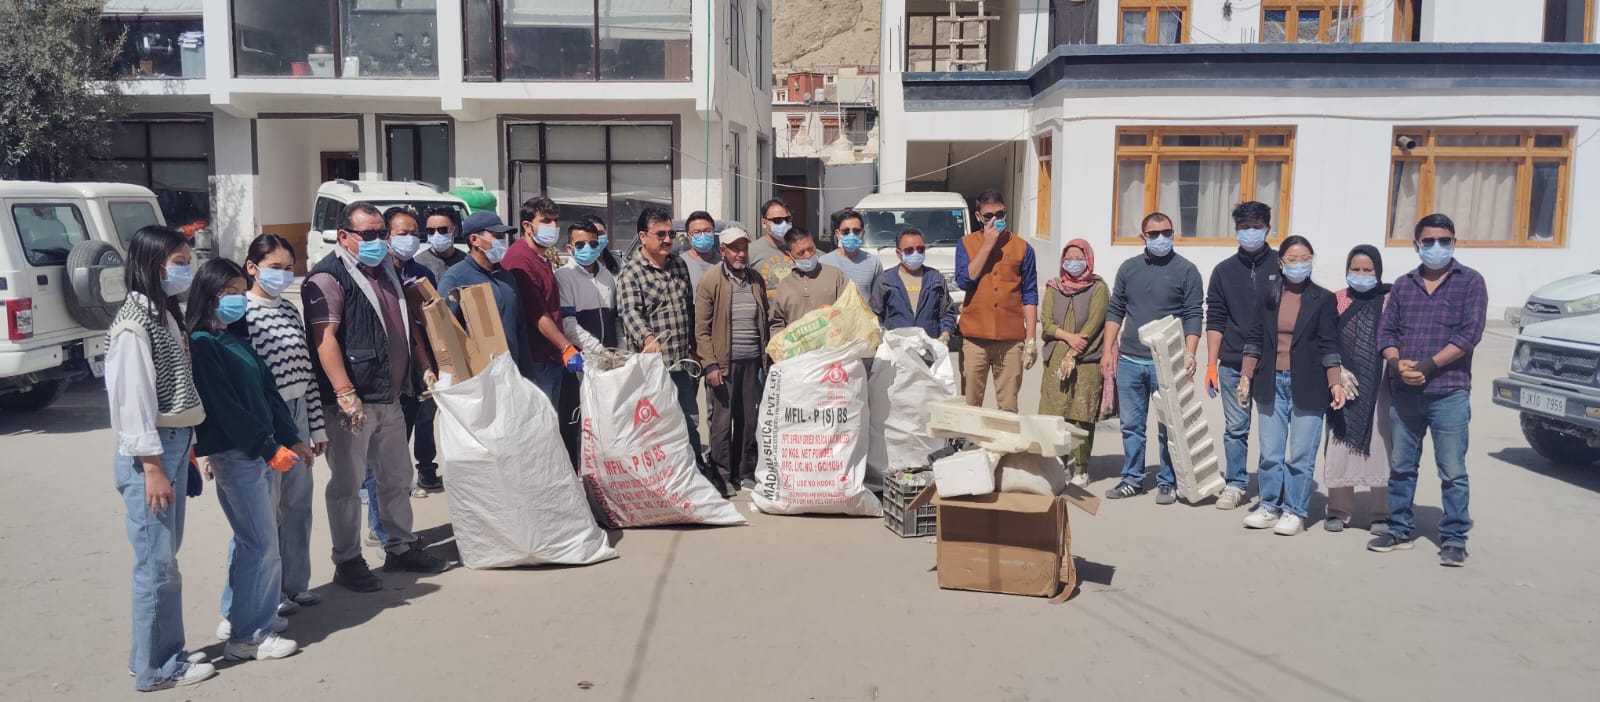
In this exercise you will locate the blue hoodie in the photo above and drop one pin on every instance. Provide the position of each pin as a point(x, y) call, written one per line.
point(936, 312)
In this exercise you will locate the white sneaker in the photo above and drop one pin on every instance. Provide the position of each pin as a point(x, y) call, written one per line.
point(1231, 498)
point(1262, 518)
point(197, 672)
point(1081, 480)
point(225, 629)
point(194, 657)
point(1289, 525)
point(269, 647)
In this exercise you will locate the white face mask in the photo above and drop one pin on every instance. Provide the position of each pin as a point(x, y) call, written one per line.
point(806, 264)
point(547, 236)
point(780, 228)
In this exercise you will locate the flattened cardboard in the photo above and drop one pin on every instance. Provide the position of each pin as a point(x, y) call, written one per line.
point(483, 322)
point(452, 348)
point(420, 292)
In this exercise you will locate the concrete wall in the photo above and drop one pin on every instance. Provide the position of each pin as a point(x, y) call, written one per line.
point(290, 163)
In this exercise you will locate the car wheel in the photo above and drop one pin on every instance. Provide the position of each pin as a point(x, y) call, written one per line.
point(95, 288)
point(1556, 446)
point(33, 400)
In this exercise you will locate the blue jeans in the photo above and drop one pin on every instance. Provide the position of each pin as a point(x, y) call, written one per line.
point(548, 376)
point(374, 521)
point(689, 401)
point(1135, 383)
point(157, 652)
point(292, 493)
point(1236, 427)
point(1285, 484)
point(255, 570)
point(1413, 415)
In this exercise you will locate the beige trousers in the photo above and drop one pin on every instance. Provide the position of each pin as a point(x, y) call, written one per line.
point(980, 357)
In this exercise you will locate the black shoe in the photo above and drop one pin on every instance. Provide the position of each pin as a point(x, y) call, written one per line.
point(1453, 556)
point(428, 479)
point(414, 560)
point(1387, 542)
point(1333, 524)
point(1165, 495)
point(354, 575)
point(729, 492)
point(1123, 489)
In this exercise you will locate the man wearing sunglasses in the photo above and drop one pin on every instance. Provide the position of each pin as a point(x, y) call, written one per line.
point(588, 315)
point(440, 226)
point(360, 330)
point(859, 266)
point(769, 255)
point(1150, 287)
point(1434, 319)
point(914, 295)
point(531, 261)
point(997, 271)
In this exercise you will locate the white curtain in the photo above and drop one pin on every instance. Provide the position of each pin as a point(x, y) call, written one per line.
point(1269, 185)
point(1403, 199)
point(1481, 196)
point(1201, 195)
point(1169, 28)
point(1133, 26)
point(1130, 198)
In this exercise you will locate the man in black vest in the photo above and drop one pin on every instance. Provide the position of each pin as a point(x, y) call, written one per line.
point(363, 353)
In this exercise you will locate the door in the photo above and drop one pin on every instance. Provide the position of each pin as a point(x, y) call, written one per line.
point(47, 231)
point(341, 165)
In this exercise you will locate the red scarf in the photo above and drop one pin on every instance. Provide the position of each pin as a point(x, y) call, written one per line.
point(1069, 285)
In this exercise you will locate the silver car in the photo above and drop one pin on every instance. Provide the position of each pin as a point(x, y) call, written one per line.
point(1568, 297)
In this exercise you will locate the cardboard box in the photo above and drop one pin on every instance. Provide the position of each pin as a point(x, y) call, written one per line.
point(420, 292)
point(453, 350)
point(1009, 543)
point(483, 323)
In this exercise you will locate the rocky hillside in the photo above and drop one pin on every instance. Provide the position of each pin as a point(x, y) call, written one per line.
point(824, 33)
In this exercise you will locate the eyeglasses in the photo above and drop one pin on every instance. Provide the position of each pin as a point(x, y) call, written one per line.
point(850, 232)
point(1159, 232)
point(779, 220)
point(1296, 259)
point(1440, 240)
point(437, 230)
point(369, 234)
point(698, 232)
point(595, 244)
point(914, 249)
point(986, 216)
point(659, 235)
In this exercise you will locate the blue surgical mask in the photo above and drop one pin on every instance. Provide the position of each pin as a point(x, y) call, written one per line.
point(1075, 267)
point(230, 308)
point(404, 246)
point(1297, 272)
point(851, 242)
point(605, 241)
point(1361, 283)
point(440, 243)
point(780, 228)
point(1252, 239)
point(496, 251)
point(177, 280)
point(806, 264)
point(586, 255)
point(1158, 246)
point(371, 253)
point(1000, 226)
point(547, 236)
point(274, 281)
point(914, 260)
point(1437, 256)
point(703, 242)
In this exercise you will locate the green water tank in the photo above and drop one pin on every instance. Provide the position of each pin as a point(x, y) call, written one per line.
point(476, 197)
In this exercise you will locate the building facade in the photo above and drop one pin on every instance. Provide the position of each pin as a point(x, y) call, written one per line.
point(243, 107)
point(1352, 118)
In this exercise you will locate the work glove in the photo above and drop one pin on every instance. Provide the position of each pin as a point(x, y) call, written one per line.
point(1030, 354)
point(1069, 363)
point(284, 459)
point(1188, 363)
point(572, 359)
point(1213, 383)
point(1352, 387)
point(352, 414)
point(1242, 393)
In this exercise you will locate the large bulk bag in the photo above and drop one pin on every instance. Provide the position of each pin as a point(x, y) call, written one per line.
point(812, 451)
point(909, 370)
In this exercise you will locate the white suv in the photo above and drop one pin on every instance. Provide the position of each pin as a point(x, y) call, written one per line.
point(333, 195)
point(62, 247)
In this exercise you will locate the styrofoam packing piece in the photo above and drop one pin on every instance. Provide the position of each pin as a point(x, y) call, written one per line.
point(1003, 432)
point(965, 473)
point(1177, 404)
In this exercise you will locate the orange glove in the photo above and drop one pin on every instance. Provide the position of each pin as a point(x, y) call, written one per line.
point(1213, 384)
point(284, 459)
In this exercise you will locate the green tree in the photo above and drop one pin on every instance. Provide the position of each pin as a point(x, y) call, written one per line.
point(59, 105)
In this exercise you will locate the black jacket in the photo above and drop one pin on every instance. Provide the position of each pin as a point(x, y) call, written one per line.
point(1238, 286)
point(1314, 348)
point(362, 339)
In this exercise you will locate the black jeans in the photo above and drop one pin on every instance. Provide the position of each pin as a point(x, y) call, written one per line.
point(419, 428)
point(569, 420)
point(733, 406)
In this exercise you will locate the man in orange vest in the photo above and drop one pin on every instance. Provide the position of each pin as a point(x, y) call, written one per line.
point(996, 269)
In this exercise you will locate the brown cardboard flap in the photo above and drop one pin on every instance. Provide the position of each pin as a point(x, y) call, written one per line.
point(1001, 501)
point(452, 348)
point(420, 292)
point(1082, 499)
point(483, 322)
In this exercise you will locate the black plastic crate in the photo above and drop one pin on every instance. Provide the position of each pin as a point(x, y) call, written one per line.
point(899, 488)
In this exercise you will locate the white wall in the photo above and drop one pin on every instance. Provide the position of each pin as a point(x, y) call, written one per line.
point(289, 153)
point(1483, 20)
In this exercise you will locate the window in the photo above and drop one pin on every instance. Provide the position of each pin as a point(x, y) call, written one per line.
point(737, 176)
point(157, 41)
point(418, 152)
point(1042, 202)
point(1197, 175)
point(611, 171)
point(130, 217)
point(173, 159)
point(762, 71)
point(928, 38)
point(1312, 21)
point(1408, 20)
point(1153, 22)
point(735, 36)
point(48, 231)
point(1503, 187)
point(763, 157)
point(1569, 20)
point(1074, 22)
point(577, 39)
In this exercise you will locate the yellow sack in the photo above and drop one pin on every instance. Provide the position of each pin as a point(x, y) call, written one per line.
point(846, 320)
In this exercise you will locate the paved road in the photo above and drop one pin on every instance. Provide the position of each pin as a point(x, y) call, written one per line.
point(1178, 602)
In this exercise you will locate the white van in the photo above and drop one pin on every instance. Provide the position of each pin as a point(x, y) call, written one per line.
point(62, 247)
point(333, 195)
point(942, 217)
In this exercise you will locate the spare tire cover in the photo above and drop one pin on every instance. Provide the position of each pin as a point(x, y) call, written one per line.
point(95, 286)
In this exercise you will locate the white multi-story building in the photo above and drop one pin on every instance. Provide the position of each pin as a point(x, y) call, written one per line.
point(242, 107)
point(1089, 114)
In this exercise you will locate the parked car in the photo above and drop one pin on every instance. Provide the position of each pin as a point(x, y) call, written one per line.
point(333, 195)
point(1555, 384)
point(942, 217)
point(62, 247)
point(1568, 297)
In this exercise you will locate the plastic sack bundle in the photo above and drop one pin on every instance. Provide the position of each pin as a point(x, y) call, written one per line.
point(637, 461)
point(847, 319)
point(909, 371)
point(514, 499)
point(812, 451)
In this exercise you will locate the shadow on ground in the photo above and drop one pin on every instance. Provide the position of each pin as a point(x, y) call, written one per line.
point(1586, 477)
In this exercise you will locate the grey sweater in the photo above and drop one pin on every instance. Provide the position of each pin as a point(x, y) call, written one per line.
point(1148, 289)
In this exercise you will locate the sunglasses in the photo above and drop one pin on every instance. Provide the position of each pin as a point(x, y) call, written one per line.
point(851, 232)
point(986, 216)
point(914, 249)
point(1159, 232)
point(779, 220)
point(595, 244)
point(369, 234)
point(437, 230)
point(659, 235)
point(1440, 240)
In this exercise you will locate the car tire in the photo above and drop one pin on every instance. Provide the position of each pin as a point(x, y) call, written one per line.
point(38, 398)
point(94, 287)
point(1565, 449)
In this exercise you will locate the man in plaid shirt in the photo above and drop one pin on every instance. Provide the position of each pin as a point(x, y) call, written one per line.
point(656, 306)
point(1434, 319)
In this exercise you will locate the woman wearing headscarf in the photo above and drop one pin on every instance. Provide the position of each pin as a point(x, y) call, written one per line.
point(1074, 319)
point(1358, 443)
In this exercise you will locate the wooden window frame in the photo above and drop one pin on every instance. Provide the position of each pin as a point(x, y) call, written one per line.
point(1152, 23)
point(1428, 153)
point(1325, 11)
point(1044, 146)
point(1153, 152)
point(544, 161)
point(1406, 17)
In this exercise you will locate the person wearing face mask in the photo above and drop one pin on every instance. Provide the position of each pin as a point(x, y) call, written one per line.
point(912, 294)
point(588, 316)
point(531, 261)
point(702, 255)
point(488, 239)
point(1158, 284)
point(810, 286)
point(607, 257)
point(404, 243)
point(1238, 285)
point(1433, 320)
point(1359, 434)
point(998, 272)
point(1292, 364)
point(440, 228)
point(769, 255)
point(248, 435)
point(730, 313)
point(362, 359)
point(1073, 333)
point(857, 264)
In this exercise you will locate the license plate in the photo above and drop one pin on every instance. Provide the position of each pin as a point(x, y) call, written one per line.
point(1544, 402)
point(97, 366)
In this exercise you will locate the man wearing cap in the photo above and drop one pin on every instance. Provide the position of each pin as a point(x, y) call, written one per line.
point(487, 241)
point(730, 312)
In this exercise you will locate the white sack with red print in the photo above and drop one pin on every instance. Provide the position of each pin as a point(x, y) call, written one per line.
point(812, 456)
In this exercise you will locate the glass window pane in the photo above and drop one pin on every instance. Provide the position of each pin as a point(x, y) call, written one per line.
point(1200, 195)
point(283, 38)
point(1133, 139)
point(1130, 198)
point(1563, 20)
point(644, 142)
point(389, 38)
point(1269, 186)
point(130, 217)
point(1308, 26)
point(1549, 141)
point(1542, 203)
point(575, 143)
point(529, 185)
point(179, 140)
point(633, 189)
point(48, 232)
point(549, 40)
point(402, 153)
point(1403, 199)
point(478, 19)
point(1481, 196)
point(644, 40)
point(1134, 27)
point(1342, 28)
point(1501, 140)
point(179, 175)
point(522, 141)
point(132, 172)
point(1203, 140)
point(1169, 29)
point(128, 140)
point(1273, 29)
point(156, 48)
point(435, 154)
point(580, 190)
point(1272, 140)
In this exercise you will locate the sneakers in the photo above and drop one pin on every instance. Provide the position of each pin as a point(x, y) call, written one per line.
point(306, 599)
point(1262, 518)
point(372, 540)
point(1289, 525)
point(269, 647)
point(288, 607)
point(354, 575)
point(428, 479)
point(1379, 527)
point(1081, 480)
point(194, 657)
point(747, 484)
point(414, 560)
point(196, 672)
point(1122, 490)
point(1231, 498)
point(225, 629)
point(1165, 495)
point(1387, 542)
point(1453, 556)
point(1334, 524)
